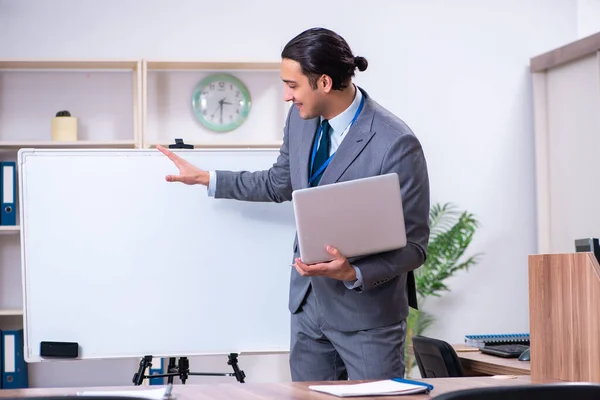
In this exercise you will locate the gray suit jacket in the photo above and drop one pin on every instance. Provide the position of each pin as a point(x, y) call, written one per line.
point(377, 143)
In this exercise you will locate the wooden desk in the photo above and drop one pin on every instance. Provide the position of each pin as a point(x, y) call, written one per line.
point(276, 391)
point(475, 363)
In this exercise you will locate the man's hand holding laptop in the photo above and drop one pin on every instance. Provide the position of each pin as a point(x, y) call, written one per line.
point(338, 268)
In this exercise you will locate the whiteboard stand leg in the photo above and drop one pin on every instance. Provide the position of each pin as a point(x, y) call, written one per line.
point(237, 372)
point(182, 369)
point(139, 376)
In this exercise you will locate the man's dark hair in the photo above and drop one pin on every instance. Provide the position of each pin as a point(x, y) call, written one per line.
point(321, 51)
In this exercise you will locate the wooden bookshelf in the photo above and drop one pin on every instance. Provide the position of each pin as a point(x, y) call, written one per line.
point(9, 229)
point(10, 312)
point(105, 96)
point(121, 104)
point(167, 88)
point(45, 144)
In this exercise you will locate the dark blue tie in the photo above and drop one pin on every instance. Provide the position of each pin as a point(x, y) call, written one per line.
point(322, 152)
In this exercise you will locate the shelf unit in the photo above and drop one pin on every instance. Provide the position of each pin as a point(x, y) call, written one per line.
point(105, 96)
point(121, 104)
point(167, 113)
point(78, 144)
point(9, 229)
point(11, 312)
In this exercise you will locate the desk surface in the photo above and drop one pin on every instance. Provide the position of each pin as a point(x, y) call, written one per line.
point(279, 391)
point(479, 363)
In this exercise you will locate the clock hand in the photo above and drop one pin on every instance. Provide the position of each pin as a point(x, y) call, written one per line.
point(221, 112)
point(216, 109)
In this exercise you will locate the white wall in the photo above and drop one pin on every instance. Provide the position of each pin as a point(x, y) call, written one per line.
point(457, 72)
point(588, 17)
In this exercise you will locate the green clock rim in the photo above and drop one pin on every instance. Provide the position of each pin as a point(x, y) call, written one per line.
point(227, 78)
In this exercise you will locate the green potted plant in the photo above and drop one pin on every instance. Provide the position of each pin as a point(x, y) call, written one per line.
point(451, 233)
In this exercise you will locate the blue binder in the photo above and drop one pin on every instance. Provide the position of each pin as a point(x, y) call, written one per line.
point(158, 368)
point(1, 358)
point(507, 338)
point(14, 368)
point(8, 193)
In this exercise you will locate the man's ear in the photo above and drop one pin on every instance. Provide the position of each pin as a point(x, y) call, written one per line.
point(326, 83)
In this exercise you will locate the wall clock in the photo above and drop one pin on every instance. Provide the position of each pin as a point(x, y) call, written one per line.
point(221, 102)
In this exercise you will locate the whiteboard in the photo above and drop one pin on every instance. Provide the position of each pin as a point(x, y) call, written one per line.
point(126, 264)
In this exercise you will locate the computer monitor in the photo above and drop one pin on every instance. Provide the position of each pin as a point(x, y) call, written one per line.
point(588, 245)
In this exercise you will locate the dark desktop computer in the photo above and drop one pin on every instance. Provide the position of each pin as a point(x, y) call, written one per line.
point(588, 245)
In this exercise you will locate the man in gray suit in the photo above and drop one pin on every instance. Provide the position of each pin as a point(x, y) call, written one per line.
point(348, 315)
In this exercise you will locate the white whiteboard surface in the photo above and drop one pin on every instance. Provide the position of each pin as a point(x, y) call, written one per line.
point(123, 262)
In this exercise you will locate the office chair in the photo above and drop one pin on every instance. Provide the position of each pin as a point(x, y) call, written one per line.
point(547, 391)
point(436, 358)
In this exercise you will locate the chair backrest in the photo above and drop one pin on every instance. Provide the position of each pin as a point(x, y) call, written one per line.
point(436, 358)
point(539, 391)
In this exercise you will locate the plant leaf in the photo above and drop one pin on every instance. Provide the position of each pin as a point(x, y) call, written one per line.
point(451, 233)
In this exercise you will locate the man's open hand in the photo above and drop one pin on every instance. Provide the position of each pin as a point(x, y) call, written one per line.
point(188, 174)
point(338, 268)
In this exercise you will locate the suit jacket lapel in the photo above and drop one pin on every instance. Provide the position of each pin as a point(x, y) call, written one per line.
point(357, 138)
point(307, 135)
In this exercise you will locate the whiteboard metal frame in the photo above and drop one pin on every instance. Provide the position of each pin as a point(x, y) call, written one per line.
point(22, 155)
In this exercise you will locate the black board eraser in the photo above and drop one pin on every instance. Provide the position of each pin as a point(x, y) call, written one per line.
point(59, 349)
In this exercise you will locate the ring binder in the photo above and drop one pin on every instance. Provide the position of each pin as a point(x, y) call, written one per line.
point(507, 338)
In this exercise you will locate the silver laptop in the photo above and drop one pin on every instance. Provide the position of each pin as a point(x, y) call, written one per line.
point(358, 217)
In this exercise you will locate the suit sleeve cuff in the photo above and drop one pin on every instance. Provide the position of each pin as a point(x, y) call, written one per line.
point(212, 183)
point(356, 284)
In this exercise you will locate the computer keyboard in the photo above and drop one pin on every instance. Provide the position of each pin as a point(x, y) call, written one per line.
point(505, 350)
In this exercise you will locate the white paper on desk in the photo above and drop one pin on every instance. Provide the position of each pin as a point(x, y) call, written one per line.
point(377, 388)
point(152, 394)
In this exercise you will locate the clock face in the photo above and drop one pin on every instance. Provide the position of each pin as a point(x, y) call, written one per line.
point(221, 102)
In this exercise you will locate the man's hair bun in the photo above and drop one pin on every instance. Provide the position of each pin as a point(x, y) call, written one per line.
point(361, 63)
